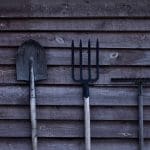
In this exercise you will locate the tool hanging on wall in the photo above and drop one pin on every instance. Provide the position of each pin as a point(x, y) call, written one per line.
point(139, 82)
point(85, 83)
point(31, 66)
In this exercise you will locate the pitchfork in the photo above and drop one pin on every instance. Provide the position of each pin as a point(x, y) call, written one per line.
point(85, 84)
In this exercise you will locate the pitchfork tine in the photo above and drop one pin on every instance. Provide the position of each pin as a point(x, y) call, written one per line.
point(89, 59)
point(81, 70)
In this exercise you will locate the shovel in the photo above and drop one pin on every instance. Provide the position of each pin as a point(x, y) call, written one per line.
point(31, 66)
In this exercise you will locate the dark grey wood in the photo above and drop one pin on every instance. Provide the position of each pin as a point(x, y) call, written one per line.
point(62, 74)
point(69, 24)
point(73, 129)
point(71, 144)
point(74, 113)
point(61, 56)
point(122, 28)
point(63, 39)
point(78, 8)
point(72, 96)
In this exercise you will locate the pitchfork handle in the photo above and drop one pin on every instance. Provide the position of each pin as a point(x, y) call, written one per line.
point(87, 117)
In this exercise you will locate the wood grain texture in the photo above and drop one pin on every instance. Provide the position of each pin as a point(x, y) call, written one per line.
point(62, 74)
point(62, 56)
point(63, 39)
point(69, 24)
point(72, 96)
point(71, 144)
point(73, 129)
point(78, 8)
point(123, 30)
point(73, 113)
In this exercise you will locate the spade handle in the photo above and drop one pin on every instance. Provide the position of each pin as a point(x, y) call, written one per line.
point(33, 106)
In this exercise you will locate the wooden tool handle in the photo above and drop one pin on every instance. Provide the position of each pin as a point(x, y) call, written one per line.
point(33, 108)
point(141, 123)
point(87, 124)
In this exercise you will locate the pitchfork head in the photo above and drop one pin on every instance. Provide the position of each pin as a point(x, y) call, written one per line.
point(90, 66)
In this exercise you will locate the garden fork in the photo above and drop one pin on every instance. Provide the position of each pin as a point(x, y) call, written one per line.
point(85, 84)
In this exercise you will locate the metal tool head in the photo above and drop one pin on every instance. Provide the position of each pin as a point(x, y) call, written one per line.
point(135, 80)
point(27, 51)
point(89, 65)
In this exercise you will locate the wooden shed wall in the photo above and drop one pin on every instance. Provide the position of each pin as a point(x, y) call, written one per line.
point(123, 29)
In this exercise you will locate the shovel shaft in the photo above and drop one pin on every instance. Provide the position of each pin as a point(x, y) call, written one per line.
point(141, 123)
point(87, 124)
point(33, 108)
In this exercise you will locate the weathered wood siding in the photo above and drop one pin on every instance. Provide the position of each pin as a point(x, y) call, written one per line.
point(123, 29)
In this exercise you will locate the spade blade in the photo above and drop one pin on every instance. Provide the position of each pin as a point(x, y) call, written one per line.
point(31, 49)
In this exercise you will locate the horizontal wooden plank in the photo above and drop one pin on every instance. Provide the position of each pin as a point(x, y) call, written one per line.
point(78, 8)
point(71, 144)
point(63, 39)
point(73, 129)
point(72, 96)
point(111, 57)
point(62, 75)
point(75, 24)
point(73, 113)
